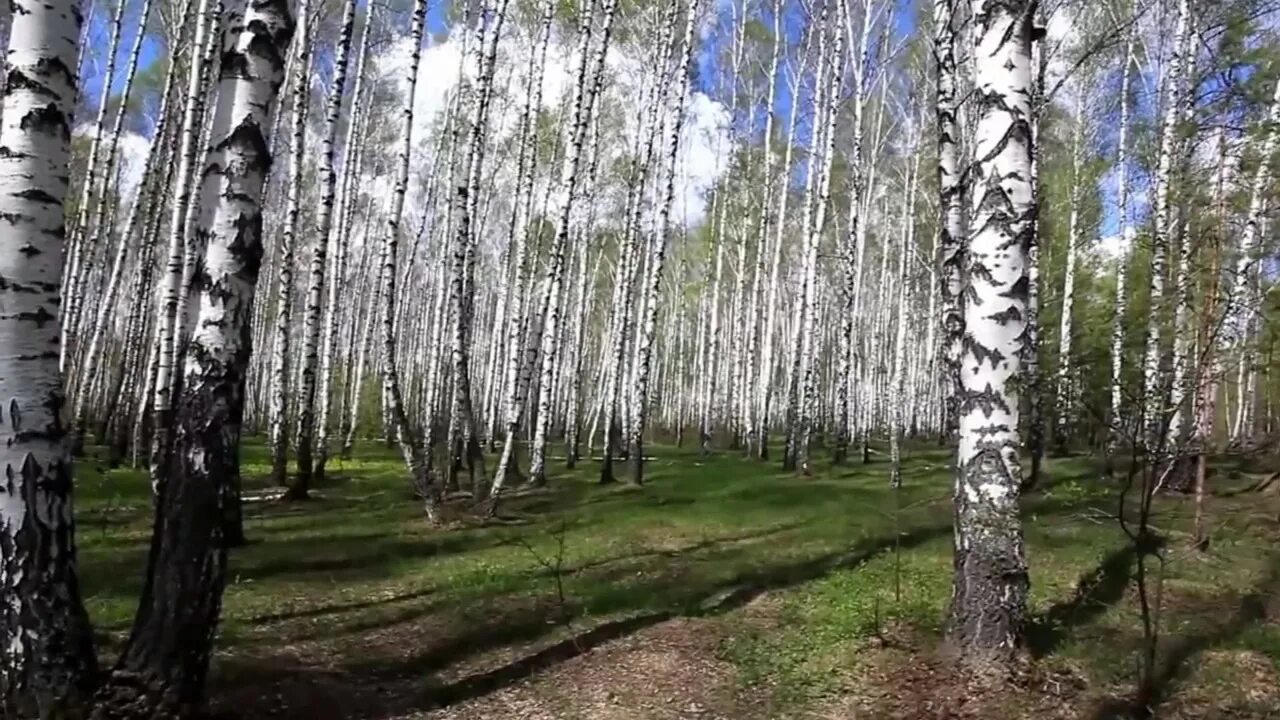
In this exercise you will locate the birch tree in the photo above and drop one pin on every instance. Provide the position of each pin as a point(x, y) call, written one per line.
point(416, 458)
point(47, 664)
point(657, 251)
point(320, 258)
point(1064, 388)
point(283, 336)
point(989, 596)
point(162, 669)
point(951, 199)
point(1153, 387)
point(168, 301)
point(1122, 262)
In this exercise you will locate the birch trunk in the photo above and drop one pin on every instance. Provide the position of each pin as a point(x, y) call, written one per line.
point(90, 362)
point(898, 381)
point(989, 596)
point(1064, 379)
point(162, 669)
point(756, 430)
point(1116, 428)
point(1033, 374)
point(167, 309)
point(589, 82)
point(282, 359)
point(764, 381)
point(1153, 387)
point(307, 468)
point(657, 252)
point(526, 163)
point(103, 211)
point(47, 666)
point(416, 458)
point(81, 253)
point(851, 250)
point(804, 379)
point(629, 262)
point(1240, 311)
point(461, 443)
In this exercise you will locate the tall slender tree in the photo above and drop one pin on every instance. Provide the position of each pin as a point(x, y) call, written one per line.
point(47, 665)
point(951, 204)
point(313, 317)
point(989, 596)
point(162, 670)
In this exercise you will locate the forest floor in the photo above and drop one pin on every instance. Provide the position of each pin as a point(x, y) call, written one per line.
point(724, 588)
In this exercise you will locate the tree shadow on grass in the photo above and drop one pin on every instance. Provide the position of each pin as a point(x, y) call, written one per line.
point(1177, 653)
point(376, 688)
point(720, 599)
point(368, 556)
point(1096, 591)
point(336, 608)
point(704, 544)
point(347, 619)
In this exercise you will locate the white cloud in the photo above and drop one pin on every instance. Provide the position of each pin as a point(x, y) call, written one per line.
point(1117, 245)
point(133, 149)
point(131, 156)
point(705, 149)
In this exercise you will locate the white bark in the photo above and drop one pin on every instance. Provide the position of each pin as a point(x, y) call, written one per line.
point(1064, 379)
point(657, 251)
point(81, 253)
point(47, 662)
point(319, 265)
point(1240, 312)
point(898, 382)
point(589, 79)
point(169, 648)
point(283, 330)
point(803, 384)
point(990, 586)
point(1153, 387)
point(415, 457)
point(515, 395)
point(1122, 262)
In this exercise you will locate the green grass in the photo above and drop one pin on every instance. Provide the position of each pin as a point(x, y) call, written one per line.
point(353, 571)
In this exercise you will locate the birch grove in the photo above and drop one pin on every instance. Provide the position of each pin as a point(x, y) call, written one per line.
point(529, 246)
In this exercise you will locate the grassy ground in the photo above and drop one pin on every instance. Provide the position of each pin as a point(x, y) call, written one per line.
point(724, 588)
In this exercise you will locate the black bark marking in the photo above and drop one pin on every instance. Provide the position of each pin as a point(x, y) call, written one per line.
point(55, 66)
point(19, 81)
point(47, 119)
point(47, 355)
point(262, 44)
point(38, 195)
point(247, 138)
point(987, 400)
point(1019, 291)
point(235, 65)
point(981, 353)
point(1008, 315)
point(39, 316)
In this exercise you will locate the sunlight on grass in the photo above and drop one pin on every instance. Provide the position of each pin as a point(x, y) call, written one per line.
point(360, 560)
